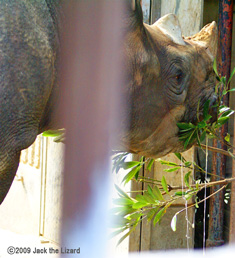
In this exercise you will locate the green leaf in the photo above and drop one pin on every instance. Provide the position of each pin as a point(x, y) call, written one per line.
point(222, 120)
point(198, 139)
point(224, 92)
point(196, 202)
point(140, 198)
point(215, 67)
point(138, 205)
point(188, 164)
point(135, 216)
point(131, 174)
point(157, 193)
point(119, 222)
point(164, 184)
point(217, 87)
point(123, 201)
point(180, 157)
point(184, 126)
point(223, 80)
point(122, 193)
point(159, 215)
point(168, 163)
point(126, 235)
point(149, 189)
point(203, 136)
point(186, 179)
point(118, 161)
point(185, 136)
point(202, 124)
point(207, 118)
point(190, 139)
point(53, 133)
point(149, 166)
point(227, 138)
point(126, 211)
point(188, 196)
point(137, 175)
point(173, 222)
point(130, 164)
point(149, 198)
point(206, 108)
point(223, 108)
point(227, 113)
point(231, 90)
point(151, 213)
point(231, 76)
point(180, 193)
point(171, 169)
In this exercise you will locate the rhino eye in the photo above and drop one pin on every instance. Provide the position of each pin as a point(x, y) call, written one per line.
point(179, 77)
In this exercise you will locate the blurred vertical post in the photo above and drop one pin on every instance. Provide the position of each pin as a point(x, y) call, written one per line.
point(90, 107)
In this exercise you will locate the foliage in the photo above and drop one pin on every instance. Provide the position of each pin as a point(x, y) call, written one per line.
point(153, 202)
point(59, 135)
point(189, 133)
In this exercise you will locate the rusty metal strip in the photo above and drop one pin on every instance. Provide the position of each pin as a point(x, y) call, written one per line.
point(216, 219)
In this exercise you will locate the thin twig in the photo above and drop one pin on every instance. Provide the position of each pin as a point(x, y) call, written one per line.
point(213, 149)
point(203, 171)
point(220, 182)
point(209, 196)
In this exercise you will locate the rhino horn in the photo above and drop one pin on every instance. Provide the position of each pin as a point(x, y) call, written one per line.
point(208, 38)
point(170, 26)
point(133, 17)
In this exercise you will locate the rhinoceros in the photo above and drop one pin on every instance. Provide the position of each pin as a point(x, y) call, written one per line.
point(166, 76)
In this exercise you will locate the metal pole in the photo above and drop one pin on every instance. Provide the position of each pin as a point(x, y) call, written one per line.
point(216, 211)
point(90, 92)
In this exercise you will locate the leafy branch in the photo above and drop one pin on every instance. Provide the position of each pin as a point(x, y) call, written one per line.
point(152, 203)
point(58, 135)
point(189, 133)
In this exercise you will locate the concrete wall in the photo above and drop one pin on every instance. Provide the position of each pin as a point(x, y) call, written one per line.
point(33, 205)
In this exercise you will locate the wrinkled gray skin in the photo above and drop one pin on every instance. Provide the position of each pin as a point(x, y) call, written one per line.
point(163, 85)
point(28, 55)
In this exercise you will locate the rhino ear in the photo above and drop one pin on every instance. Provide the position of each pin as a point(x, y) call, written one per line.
point(208, 38)
point(170, 26)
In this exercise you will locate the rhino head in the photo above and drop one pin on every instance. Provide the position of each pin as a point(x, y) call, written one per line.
point(167, 76)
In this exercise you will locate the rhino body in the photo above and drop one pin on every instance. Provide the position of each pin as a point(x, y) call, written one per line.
point(29, 44)
point(166, 76)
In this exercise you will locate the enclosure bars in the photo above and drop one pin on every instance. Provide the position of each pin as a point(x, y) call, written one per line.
point(216, 211)
point(232, 203)
point(90, 87)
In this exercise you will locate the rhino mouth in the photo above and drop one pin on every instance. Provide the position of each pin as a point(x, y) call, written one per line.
point(197, 114)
